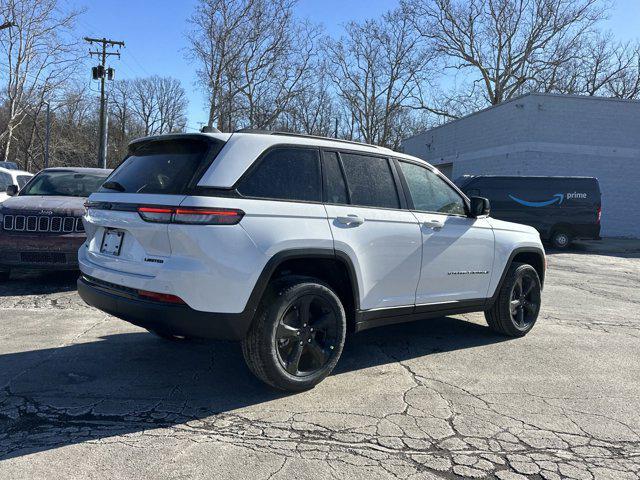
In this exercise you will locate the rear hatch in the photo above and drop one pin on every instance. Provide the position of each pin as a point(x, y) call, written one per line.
point(156, 175)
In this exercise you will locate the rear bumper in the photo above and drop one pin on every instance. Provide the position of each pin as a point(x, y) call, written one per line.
point(167, 318)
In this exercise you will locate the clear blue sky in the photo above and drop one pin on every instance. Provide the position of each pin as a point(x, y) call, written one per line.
point(154, 32)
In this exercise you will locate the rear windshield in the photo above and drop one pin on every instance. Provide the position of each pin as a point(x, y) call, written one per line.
point(161, 167)
point(65, 184)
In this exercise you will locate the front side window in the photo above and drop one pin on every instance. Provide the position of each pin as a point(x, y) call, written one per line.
point(285, 174)
point(429, 192)
point(64, 183)
point(370, 181)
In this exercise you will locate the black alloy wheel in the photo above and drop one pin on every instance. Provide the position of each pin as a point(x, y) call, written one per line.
point(306, 335)
point(515, 310)
point(525, 302)
point(297, 335)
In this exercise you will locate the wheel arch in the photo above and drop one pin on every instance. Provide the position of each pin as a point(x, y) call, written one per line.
point(530, 255)
point(328, 265)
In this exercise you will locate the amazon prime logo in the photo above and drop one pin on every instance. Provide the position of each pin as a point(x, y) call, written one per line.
point(557, 198)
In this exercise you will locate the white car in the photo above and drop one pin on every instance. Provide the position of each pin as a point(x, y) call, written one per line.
point(285, 242)
point(9, 177)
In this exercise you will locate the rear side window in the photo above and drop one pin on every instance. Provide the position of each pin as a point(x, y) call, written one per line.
point(285, 174)
point(160, 167)
point(334, 186)
point(370, 181)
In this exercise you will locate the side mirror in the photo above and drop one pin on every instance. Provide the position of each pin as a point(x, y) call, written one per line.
point(480, 206)
point(12, 190)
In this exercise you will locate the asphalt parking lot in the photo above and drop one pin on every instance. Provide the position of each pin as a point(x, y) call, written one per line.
point(84, 395)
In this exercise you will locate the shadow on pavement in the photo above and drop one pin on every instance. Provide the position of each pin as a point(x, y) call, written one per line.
point(611, 247)
point(134, 382)
point(39, 282)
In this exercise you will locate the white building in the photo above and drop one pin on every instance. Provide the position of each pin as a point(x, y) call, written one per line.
point(547, 134)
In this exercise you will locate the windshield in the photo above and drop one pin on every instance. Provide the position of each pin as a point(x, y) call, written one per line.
point(66, 184)
point(163, 167)
point(23, 179)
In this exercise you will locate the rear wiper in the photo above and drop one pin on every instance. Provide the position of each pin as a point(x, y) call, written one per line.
point(111, 185)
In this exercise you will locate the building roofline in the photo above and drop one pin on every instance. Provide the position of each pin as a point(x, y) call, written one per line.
point(520, 97)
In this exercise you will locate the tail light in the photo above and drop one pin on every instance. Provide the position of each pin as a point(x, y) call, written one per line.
point(156, 214)
point(197, 216)
point(599, 214)
point(160, 297)
point(191, 216)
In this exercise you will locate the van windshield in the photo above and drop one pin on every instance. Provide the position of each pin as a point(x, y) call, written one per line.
point(160, 166)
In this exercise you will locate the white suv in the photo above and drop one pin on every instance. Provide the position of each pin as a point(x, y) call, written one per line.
point(12, 180)
point(286, 242)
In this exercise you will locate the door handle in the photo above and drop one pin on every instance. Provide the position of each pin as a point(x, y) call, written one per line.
point(350, 220)
point(433, 223)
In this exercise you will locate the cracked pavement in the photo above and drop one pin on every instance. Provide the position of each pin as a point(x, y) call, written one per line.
point(84, 395)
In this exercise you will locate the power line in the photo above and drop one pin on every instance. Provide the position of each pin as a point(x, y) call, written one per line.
point(102, 73)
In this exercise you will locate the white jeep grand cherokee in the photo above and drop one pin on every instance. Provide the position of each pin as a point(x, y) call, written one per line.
point(286, 242)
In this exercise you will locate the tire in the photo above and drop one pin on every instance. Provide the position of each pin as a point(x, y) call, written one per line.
point(4, 275)
point(288, 352)
point(516, 309)
point(561, 240)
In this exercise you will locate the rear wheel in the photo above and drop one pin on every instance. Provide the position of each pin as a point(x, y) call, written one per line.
point(516, 309)
point(561, 239)
point(297, 336)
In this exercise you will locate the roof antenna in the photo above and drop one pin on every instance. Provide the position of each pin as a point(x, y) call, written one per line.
point(208, 129)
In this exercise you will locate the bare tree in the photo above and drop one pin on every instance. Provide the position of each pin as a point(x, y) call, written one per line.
point(627, 83)
point(38, 55)
point(380, 69)
point(313, 111)
point(504, 45)
point(252, 56)
point(156, 103)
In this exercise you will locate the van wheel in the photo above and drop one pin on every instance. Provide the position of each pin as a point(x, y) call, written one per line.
point(4, 275)
point(561, 239)
point(297, 336)
point(516, 309)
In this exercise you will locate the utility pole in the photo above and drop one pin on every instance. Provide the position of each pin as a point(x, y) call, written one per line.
point(102, 73)
point(47, 135)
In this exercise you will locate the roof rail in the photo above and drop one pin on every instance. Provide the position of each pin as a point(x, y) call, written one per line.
point(304, 135)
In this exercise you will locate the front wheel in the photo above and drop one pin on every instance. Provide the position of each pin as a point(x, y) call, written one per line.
point(297, 336)
point(516, 309)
